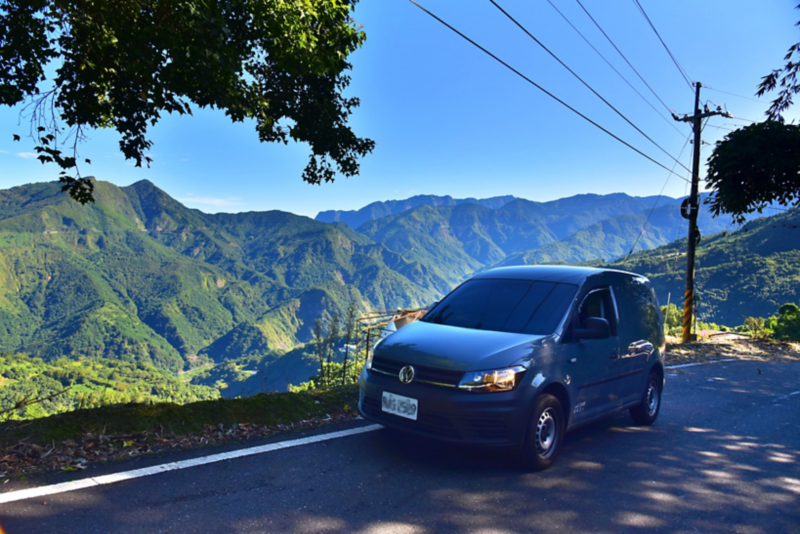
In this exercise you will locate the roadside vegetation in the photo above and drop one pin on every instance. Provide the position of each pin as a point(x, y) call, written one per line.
point(783, 326)
point(68, 441)
point(31, 388)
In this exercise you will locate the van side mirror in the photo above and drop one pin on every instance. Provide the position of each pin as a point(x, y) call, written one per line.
point(594, 328)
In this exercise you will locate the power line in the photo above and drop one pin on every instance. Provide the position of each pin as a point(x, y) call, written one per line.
point(606, 102)
point(672, 124)
point(734, 94)
point(720, 127)
point(647, 221)
point(545, 91)
point(623, 55)
point(743, 119)
point(680, 69)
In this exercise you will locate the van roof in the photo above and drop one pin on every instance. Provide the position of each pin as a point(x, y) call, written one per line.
point(547, 273)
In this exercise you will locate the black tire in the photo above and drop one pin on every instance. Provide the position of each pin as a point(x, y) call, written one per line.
point(545, 433)
point(646, 412)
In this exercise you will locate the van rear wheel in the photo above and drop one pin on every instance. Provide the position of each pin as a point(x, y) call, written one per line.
point(545, 433)
point(646, 412)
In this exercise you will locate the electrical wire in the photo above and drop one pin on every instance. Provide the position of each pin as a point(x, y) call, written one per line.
point(733, 94)
point(680, 69)
point(542, 89)
point(743, 119)
point(671, 123)
point(598, 95)
point(647, 221)
point(623, 55)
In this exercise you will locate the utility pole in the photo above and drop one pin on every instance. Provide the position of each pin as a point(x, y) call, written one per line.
point(691, 205)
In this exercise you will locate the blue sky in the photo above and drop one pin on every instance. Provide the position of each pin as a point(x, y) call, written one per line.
point(449, 120)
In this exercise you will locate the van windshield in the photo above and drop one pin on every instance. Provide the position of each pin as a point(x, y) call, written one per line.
point(517, 306)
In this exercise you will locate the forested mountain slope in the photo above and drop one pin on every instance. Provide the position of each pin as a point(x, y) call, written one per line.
point(453, 239)
point(137, 275)
point(750, 272)
point(614, 237)
point(139, 284)
point(377, 210)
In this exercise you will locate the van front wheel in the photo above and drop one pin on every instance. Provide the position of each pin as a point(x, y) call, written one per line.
point(545, 433)
point(646, 412)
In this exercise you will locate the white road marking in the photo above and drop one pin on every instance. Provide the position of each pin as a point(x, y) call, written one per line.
point(700, 363)
point(41, 491)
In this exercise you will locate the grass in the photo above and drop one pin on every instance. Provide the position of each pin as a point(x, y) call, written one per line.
point(265, 409)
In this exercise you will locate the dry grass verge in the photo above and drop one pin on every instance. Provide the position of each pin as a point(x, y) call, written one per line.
point(730, 348)
point(70, 441)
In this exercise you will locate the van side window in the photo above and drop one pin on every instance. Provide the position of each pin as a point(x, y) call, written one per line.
point(598, 303)
point(638, 306)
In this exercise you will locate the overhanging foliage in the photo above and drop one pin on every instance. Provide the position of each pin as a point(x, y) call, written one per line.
point(122, 63)
point(753, 167)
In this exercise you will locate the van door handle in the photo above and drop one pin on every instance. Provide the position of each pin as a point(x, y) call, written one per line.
point(614, 354)
point(573, 360)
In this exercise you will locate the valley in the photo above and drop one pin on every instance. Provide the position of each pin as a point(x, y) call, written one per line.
point(229, 300)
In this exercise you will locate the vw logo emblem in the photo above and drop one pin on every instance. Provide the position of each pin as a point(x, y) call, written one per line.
point(406, 374)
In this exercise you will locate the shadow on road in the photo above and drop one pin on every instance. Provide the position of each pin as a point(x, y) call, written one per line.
point(713, 463)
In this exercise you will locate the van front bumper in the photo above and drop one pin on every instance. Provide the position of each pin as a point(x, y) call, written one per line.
point(451, 414)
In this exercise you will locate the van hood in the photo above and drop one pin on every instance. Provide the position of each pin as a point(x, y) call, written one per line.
point(455, 348)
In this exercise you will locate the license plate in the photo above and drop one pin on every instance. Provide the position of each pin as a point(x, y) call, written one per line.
point(399, 405)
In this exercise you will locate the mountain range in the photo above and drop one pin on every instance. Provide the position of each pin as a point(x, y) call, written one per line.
point(139, 277)
point(376, 210)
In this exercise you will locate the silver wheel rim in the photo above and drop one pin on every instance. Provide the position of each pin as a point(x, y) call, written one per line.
point(652, 399)
point(546, 433)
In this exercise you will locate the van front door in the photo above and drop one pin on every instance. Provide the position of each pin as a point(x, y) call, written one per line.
point(594, 362)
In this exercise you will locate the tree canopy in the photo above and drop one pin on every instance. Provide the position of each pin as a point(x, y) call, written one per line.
point(122, 63)
point(760, 164)
point(784, 79)
point(753, 167)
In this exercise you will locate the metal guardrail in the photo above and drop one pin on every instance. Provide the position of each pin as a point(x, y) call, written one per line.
point(372, 325)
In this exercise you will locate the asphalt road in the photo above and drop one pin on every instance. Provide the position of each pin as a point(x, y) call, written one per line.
point(722, 457)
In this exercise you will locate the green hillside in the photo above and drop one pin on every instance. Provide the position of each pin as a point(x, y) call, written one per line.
point(614, 237)
point(139, 277)
point(87, 383)
point(224, 304)
point(750, 272)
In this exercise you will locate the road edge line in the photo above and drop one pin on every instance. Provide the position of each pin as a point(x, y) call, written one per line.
point(681, 366)
point(63, 487)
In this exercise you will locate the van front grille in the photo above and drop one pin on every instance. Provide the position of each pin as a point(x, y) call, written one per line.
point(422, 373)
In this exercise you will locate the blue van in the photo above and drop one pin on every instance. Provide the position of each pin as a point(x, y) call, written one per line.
point(516, 356)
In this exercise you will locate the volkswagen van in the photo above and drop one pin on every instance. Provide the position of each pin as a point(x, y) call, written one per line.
point(517, 356)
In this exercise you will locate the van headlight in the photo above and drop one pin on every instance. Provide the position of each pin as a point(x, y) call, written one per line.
point(492, 380)
point(371, 353)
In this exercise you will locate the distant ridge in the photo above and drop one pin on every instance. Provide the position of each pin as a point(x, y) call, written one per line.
point(377, 210)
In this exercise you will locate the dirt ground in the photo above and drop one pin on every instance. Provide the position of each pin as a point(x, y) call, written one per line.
point(730, 347)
